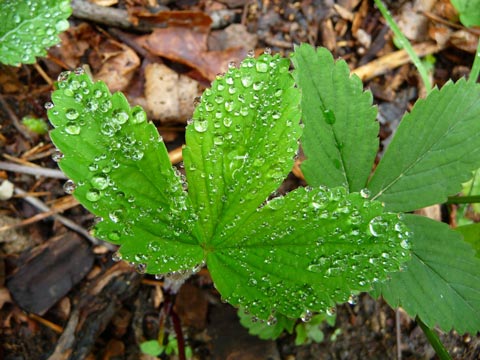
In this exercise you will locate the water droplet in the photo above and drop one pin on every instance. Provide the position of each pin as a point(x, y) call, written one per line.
point(138, 115)
point(306, 316)
point(405, 244)
point(267, 51)
point(57, 155)
point(119, 117)
point(200, 125)
point(100, 181)
point(329, 116)
point(247, 80)
point(331, 311)
point(232, 65)
point(352, 299)
point(251, 53)
point(71, 114)
point(63, 76)
point(258, 85)
point(72, 128)
point(62, 25)
point(79, 71)
point(365, 193)
point(116, 215)
point(48, 105)
point(17, 19)
point(114, 236)
point(116, 256)
point(69, 186)
point(141, 268)
point(93, 195)
point(261, 66)
point(272, 320)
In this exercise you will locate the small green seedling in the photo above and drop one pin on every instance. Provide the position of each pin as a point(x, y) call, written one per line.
point(29, 27)
point(290, 255)
point(38, 126)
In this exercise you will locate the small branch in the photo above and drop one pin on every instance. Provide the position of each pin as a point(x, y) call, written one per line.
point(30, 170)
point(67, 222)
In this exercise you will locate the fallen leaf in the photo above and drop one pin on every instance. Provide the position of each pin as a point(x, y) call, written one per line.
point(169, 95)
point(185, 41)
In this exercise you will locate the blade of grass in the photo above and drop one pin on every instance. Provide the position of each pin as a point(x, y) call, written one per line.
point(434, 340)
point(405, 44)
point(476, 66)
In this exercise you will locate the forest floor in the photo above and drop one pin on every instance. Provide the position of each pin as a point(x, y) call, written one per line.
point(62, 296)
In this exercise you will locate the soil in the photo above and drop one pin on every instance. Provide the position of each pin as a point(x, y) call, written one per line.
point(61, 294)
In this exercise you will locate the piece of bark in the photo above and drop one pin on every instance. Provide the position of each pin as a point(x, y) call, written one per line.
point(48, 272)
point(95, 309)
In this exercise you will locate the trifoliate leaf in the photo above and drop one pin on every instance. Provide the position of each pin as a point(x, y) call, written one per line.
point(441, 283)
point(121, 172)
point(29, 27)
point(241, 143)
point(434, 150)
point(307, 251)
point(340, 139)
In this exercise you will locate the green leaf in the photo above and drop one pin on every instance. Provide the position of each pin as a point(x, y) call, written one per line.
point(29, 27)
point(307, 251)
point(340, 138)
point(152, 347)
point(441, 283)
point(241, 143)
point(471, 234)
point(433, 150)
point(266, 330)
point(123, 175)
point(469, 11)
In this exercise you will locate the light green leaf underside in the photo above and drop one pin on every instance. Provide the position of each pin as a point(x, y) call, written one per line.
point(340, 139)
point(471, 234)
point(434, 150)
point(123, 174)
point(264, 330)
point(241, 143)
point(28, 27)
point(441, 283)
point(307, 251)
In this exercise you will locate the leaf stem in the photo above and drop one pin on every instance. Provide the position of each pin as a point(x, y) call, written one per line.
point(464, 199)
point(434, 340)
point(476, 65)
point(406, 45)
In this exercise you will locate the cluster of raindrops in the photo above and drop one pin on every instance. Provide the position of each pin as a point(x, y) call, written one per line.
point(153, 220)
point(248, 123)
point(347, 244)
point(31, 27)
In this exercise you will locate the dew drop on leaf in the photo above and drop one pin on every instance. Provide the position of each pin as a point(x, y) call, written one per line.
point(247, 80)
point(72, 128)
point(57, 155)
point(141, 268)
point(261, 66)
point(329, 117)
point(365, 193)
point(71, 114)
point(138, 115)
point(93, 195)
point(48, 105)
point(116, 256)
point(100, 181)
point(200, 125)
point(69, 186)
point(306, 316)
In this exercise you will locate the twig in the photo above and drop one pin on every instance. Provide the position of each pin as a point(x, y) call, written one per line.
point(14, 118)
point(36, 171)
point(398, 334)
point(67, 222)
point(395, 59)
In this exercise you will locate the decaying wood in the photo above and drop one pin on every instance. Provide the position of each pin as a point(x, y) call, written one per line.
point(48, 272)
point(94, 310)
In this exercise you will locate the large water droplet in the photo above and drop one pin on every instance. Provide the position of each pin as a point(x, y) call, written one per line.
point(247, 80)
point(200, 125)
point(138, 115)
point(116, 256)
point(93, 195)
point(329, 116)
point(71, 114)
point(100, 181)
point(119, 117)
point(365, 193)
point(72, 128)
point(306, 316)
point(69, 186)
point(261, 66)
point(57, 155)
